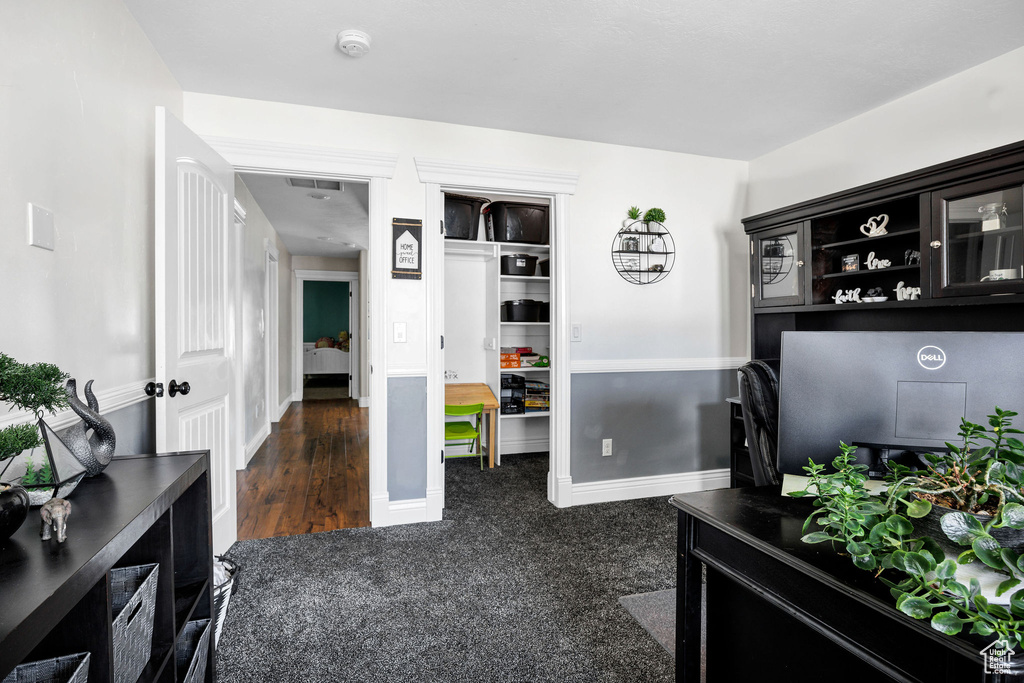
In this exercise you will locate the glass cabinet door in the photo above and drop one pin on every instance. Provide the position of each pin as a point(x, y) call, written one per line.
point(981, 238)
point(778, 266)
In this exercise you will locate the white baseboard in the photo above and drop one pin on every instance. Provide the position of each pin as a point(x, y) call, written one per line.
point(364, 401)
point(407, 511)
point(379, 510)
point(648, 487)
point(284, 406)
point(256, 441)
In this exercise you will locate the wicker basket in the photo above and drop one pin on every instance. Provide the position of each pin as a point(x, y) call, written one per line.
point(69, 669)
point(222, 593)
point(134, 604)
point(191, 650)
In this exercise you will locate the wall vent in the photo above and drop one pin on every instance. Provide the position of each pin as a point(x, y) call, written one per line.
point(315, 183)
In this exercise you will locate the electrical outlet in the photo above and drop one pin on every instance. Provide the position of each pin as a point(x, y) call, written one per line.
point(606, 447)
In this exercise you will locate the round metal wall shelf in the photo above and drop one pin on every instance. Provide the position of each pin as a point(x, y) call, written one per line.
point(643, 253)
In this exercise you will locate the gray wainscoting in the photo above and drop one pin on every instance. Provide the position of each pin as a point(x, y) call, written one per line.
point(659, 423)
point(407, 438)
point(135, 427)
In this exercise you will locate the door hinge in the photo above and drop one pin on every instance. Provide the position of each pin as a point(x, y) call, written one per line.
point(751, 290)
point(442, 227)
point(442, 341)
point(350, 377)
point(442, 455)
point(751, 247)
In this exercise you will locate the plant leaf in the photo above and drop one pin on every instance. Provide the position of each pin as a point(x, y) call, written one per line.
point(928, 545)
point(816, 537)
point(998, 611)
point(987, 550)
point(981, 628)
point(918, 564)
point(1017, 604)
point(857, 548)
point(1013, 516)
point(961, 527)
point(946, 570)
point(866, 562)
point(919, 608)
point(1007, 585)
point(919, 508)
point(900, 524)
point(948, 623)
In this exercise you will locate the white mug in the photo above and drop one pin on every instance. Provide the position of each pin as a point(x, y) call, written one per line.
point(1002, 274)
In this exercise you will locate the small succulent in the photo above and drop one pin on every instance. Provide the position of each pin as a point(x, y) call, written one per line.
point(633, 213)
point(654, 216)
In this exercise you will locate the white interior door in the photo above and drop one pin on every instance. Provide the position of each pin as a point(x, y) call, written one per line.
point(195, 334)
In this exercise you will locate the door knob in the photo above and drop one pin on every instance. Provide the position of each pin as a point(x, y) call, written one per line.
point(155, 389)
point(175, 388)
point(935, 245)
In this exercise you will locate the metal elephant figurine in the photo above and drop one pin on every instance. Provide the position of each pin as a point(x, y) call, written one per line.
point(93, 451)
point(55, 513)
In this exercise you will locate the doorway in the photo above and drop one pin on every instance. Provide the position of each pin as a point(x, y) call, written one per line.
point(311, 471)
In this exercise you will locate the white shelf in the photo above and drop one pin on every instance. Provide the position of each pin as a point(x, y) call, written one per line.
point(527, 278)
point(528, 368)
point(522, 415)
point(492, 249)
point(521, 324)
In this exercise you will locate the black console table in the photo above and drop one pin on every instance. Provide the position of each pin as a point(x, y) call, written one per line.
point(56, 597)
point(757, 604)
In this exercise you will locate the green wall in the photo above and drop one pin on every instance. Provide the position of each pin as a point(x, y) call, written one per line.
point(324, 309)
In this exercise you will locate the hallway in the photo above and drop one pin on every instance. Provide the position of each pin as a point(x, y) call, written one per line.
point(311, 474)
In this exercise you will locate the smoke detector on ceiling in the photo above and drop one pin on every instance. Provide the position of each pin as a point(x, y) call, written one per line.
point(354, 43)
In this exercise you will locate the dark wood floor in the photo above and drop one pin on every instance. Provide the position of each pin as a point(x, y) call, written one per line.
point(311, 474)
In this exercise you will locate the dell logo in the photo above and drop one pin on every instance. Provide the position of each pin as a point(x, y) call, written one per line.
point(931, 357)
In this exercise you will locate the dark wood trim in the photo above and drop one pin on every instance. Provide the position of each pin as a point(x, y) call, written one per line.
point(974, 167)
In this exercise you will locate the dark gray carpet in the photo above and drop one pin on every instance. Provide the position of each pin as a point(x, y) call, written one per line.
point(656, 612)
point(505, 588)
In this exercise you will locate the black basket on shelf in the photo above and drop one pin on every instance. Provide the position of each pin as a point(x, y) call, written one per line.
point(133, 601)
point(68, 669)
point(191, 651)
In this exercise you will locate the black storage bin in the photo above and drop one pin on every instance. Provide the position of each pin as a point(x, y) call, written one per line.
point(518, 264)
point(517, 222)
point(513, 381)
point(545, 268)
point(513, 407)
point(545, 311)
point(521, 311)
point(462, 216)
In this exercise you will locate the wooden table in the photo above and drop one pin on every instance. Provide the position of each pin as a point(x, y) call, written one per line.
point(468, 394)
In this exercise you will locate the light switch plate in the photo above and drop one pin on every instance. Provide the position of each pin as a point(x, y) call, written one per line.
point(41, 232)
point(400, 333)
point(576, 332)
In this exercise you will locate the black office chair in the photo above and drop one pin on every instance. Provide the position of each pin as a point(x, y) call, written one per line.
point(759, 395)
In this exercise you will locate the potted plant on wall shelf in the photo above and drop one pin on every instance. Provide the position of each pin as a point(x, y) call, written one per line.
point(632, 215)
point(654, 216)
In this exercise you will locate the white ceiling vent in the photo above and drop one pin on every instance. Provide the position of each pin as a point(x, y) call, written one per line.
point(315, 183)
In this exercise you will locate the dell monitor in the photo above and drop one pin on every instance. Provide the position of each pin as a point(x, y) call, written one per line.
point(892, 394)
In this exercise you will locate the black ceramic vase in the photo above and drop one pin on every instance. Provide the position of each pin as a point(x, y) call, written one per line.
point(931, 525)
point(13, 509)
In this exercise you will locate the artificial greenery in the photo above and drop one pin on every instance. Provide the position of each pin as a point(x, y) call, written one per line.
point(34, 479)
point(633, 213)
point(38, 387)
point(879, 539)
point(654, 216)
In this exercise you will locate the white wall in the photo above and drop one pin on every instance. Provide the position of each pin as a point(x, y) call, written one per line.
point(78, 86)
point(325, 263)
point(257, 229)
point(699, 311)
point(973, 111)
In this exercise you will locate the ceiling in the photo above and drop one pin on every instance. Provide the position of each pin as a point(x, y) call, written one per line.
point(309, 225)
point(726, 78)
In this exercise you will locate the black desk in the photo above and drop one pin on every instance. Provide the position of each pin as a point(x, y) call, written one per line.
point(55, 598)
point(773, 608)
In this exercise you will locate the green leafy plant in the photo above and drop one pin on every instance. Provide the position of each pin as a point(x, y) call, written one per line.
point(38, 387)
point(33, 478)
point(654, 216)
point(633, 213)
point(878, 539)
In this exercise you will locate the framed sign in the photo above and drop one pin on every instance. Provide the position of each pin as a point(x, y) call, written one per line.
point(407, 234)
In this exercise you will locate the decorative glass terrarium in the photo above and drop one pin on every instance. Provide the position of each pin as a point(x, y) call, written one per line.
point(51, 472)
